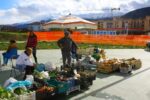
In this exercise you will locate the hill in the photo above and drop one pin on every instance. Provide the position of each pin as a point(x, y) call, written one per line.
point(139, 13)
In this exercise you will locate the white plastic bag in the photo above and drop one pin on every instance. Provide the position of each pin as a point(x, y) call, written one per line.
point(45, 74)
point(30, 78)
point(49, 66)
point(9, 81)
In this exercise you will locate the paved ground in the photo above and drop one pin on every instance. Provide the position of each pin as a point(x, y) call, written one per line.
point(108, 87)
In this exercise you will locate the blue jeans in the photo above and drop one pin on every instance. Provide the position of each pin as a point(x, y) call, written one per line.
point(21, 67)
point(5, 59)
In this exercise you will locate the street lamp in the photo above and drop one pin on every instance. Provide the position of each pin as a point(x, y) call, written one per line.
point(126, 28)
point(113, 9)
point(114, 20)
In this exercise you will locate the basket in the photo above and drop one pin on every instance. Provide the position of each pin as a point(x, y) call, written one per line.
point(136, 64)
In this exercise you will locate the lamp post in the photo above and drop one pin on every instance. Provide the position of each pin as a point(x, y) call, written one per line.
point(114, 23)
point(113, 9)
point(126, 28)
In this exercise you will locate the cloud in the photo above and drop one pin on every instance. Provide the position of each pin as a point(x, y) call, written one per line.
point(31, 10)
point(137, 4)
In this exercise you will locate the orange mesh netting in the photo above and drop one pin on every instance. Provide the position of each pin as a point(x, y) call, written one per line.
point(133, 40)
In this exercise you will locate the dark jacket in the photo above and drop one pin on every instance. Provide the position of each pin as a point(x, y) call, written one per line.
point(65, 44)
point(32, 41)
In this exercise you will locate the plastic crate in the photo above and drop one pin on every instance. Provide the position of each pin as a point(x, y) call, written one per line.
point(72, 89)
point(61, 87)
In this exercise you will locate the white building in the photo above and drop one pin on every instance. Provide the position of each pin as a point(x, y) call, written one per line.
point(71, 22)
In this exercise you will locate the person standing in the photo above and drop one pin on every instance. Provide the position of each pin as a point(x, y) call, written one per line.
point(74, 49)
point(32, 43)
point(65, 45)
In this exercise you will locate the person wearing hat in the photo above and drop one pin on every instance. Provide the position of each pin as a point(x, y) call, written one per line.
point(65, 45)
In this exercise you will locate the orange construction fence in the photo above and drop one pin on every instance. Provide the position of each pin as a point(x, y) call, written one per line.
point(133, 40)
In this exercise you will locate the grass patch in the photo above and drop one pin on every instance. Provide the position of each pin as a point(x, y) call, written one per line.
point(6, 36)
point(20, 36)
point(110, 46)
point(53, 45)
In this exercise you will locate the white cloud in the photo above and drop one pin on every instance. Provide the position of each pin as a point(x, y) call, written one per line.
point(28, 10)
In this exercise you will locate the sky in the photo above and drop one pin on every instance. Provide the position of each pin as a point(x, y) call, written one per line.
point(18, 11)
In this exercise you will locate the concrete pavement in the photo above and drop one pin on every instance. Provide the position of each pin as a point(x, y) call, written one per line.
point(113, 86)
point(122, 87)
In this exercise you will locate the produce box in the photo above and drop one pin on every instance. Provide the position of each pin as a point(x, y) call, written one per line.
point(45, 92)
point(27, 96)
point(86, 79)
point(90, 66)
point(72, 89)
point(61, 87)
point(108, 66)
point(88, 74)
point(125, 68)
point(105, 68)
point(136, 64)
point(84, 83)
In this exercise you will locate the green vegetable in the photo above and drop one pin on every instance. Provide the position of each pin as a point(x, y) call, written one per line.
point(19, 91)
point(4, 94)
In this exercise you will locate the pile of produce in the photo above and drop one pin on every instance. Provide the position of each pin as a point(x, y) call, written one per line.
point(45, 89)
point(108, 66)
point(135, 63)
point(41, 75)
point(20, 91)
point(6, 95)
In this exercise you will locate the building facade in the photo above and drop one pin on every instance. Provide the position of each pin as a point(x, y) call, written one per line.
point(125, 25)
point(69, 21)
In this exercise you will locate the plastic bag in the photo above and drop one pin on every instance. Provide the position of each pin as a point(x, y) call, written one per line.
point(45, 74)
point(40, 67)
point(49, 66)
point(9, 81)
point(30, 78)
